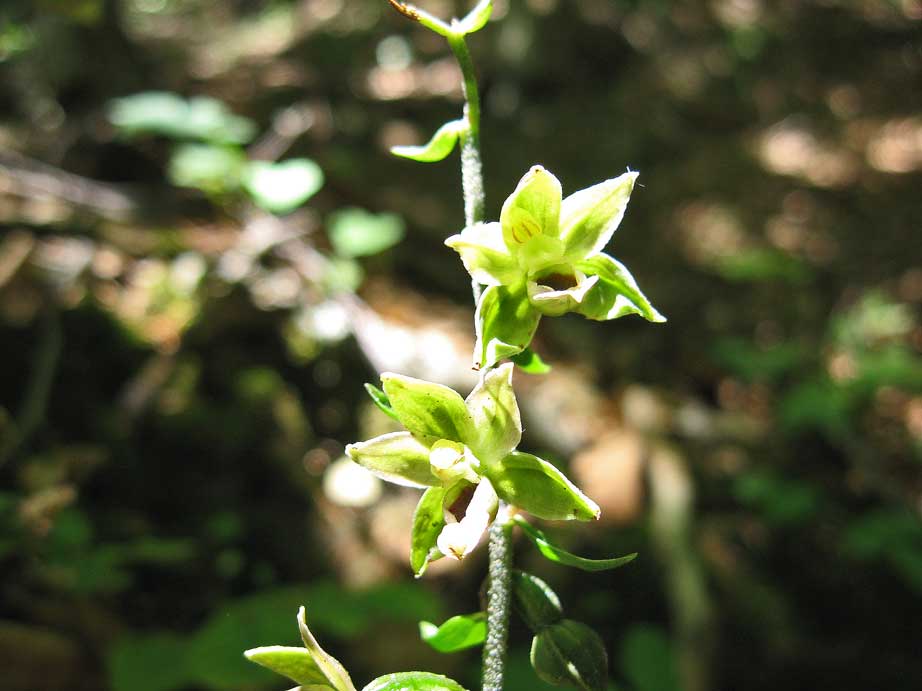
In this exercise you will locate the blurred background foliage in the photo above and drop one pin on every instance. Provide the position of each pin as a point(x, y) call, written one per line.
point(205, 250)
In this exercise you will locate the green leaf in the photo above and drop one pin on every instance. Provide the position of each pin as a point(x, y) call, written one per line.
point(538, 487)
point(335, 674)
point(570, 652)
point(532, 209)
point(530, 362)
point(282, 187)
point(397, 457)
point(295, 663)
point(381, 400)
point(437, 148)
point(589, 218)
point(154, 662)
point(428, 410)
point(615, 294)
point(212, 169)
point(170, 115)
point(561, 556)
point(413, 681)
point(534, 600)
point(485, 255)
point(495, 414)
point(458, 633)
point(354, 232)
point(648, 660)
point(505, 322)
point(428, 521)
point(477, 18)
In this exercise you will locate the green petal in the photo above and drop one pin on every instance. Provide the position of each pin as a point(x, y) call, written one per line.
point(505, 322)
point(616, 294)
point(398, 457)
point(493, 408)
point(556, 302)
point(589, 218)
point(532, 209)
point(485, 255)
point(437, 148)
point(428, 410)
point(538, 487)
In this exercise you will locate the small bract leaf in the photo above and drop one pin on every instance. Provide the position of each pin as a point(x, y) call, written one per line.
point(505, 322)
point(413, 681)
point(530, 362)
point(282, 187)
point(589, 218)
point(335, 674)
point(354, 232)
point(295, 663)
point(615, 294)
point(477, 18)
point(397, 457)
point(534, 600)
point(437, 148)
point(495, 414)
point(561, 556)
point(458, 633)
point(426, 409)
point(381, 400)
point(569, 652)
point(428, 521)
point(539, 488)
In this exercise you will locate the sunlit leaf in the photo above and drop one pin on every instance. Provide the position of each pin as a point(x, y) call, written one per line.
point(170, 115)
point(561, 556)
point(413, 681)
point(458, 633)
point(282, 187)
point(212, 169)
point(538, 487)
point(355, 232)
point(438, 147)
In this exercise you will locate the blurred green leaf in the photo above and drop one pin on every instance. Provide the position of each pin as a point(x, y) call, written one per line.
point(152, 662)
point(170, 115)
point(745, 359)
point(282, 187)
point(648, 661)
point(763, 265)
point(890, 535)
point(781, 501)
point(458, 633)
point(355, 232)
point(212, 169)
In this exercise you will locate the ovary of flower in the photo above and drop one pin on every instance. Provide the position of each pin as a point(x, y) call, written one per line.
point(457, 540)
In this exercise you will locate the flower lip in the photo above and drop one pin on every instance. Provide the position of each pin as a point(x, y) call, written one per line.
point(559, 281)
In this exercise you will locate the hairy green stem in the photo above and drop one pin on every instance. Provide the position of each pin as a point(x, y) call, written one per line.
point(471, 166)
point(498, 600)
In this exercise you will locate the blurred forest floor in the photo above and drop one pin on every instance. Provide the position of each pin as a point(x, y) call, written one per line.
point(206, 249)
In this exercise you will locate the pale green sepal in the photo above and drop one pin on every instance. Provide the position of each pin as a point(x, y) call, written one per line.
point(505, 322)
point(532, 209)
point(616, 294)
point(397, 457)
point(336, 675)
point(458, 633)
point(570, 653)
point(556, 302)
point(485, 255)
point(428, 521)
point(497, 422)
point(413, 681)
point(561, 556)
point(589, 218)
point(476, 19)
point(295, 663)
point(436, 149)
point(538, 487)
point(427, 409)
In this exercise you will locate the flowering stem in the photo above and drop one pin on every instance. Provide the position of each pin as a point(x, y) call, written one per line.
point(471, 167)
point(498, 600)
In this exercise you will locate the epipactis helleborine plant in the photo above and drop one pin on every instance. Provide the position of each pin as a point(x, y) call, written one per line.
point(463, 451)
point(544, 257)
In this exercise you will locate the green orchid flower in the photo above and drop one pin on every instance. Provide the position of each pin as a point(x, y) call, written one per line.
point(544, 257)
point(463, 451)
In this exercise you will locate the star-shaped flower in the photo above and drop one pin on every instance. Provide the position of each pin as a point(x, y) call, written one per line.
point(463, 451)
point(544, 257)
